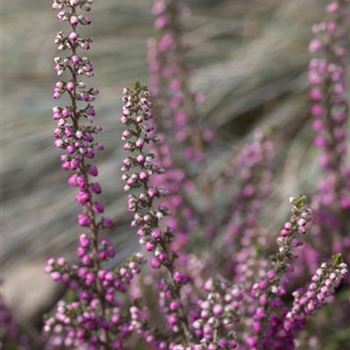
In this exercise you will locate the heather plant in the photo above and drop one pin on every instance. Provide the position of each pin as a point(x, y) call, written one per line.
point(240, 291)
point(176, 108)
point(93, 315)
point(175, 104)
point(138, 167)
point(253, 167)
point(330, 111)
point(257, 307)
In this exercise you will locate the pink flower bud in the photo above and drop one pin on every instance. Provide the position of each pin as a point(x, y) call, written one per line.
point(73, 37)
point(75, 59)
point(99, 207)
point(84, 220)
point(96, 188)
point(155, 263)
point(74, 20)
point(150, 246)
point(93, 170)
point(70, 86)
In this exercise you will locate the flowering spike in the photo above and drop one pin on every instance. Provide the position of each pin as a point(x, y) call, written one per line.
point(323, 285)
point(94, 316)
point(329, 96)
point(328, 79)
point(147, 214)
point(175, 104)
point(200, 308)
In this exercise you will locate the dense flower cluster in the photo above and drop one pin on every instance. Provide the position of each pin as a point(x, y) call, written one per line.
point(231, 289)
point(75, 129)
point(219, 313)
point(254, 169)
point(94, 315)
point(317, 294)
point(250, 310)
point(268, 292)
point(176, 109)
point(236, 229)
point(175, 104)
point(330, 110)
point(138, 167)
point(181, 217)
point(255, 306)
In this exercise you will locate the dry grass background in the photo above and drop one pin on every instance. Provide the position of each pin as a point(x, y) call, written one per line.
point(251, 58)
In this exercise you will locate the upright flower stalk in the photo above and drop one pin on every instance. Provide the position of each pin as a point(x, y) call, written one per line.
point(266, 294)
point(138, 168)
point(169, 84)
point(177, 118)
point(251, 175)
point(75, 129)
point(93, 316)
point(330, 110)
point(253, 167)
point(182, 218)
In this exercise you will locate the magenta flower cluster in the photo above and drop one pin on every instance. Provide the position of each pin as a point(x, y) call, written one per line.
point(208, 321)
point(75, 132)
point(329, 96)
point(94, 316)
point(169, 83)
point(247, 307)
point(138, 167)
point(253, 167)
point(209, 277)
point(330, 112)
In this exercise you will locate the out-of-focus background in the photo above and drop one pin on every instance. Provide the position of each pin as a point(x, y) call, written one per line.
point(251, 59)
